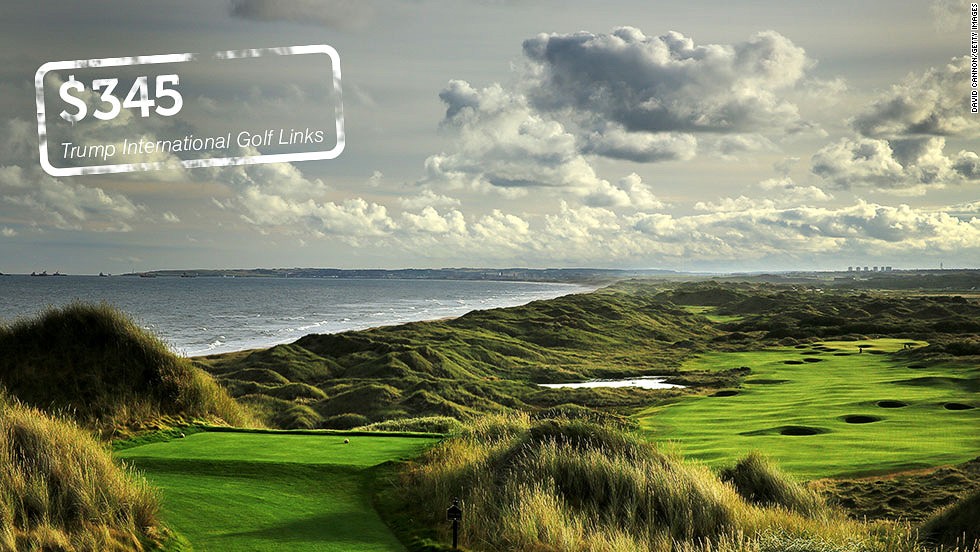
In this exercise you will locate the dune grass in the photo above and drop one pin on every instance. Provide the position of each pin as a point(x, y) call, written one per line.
point(574, 485)
point(61, 491)
point(825, 409)
point(95, 364)
point(273, 491)
point(484, 361)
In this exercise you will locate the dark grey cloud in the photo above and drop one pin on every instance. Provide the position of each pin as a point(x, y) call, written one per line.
point(667, 83)
point(334, 14)
point(643, 147)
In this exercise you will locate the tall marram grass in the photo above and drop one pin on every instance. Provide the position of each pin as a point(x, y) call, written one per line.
point(759, 480)
point(579, 485)
point(97, 365)
point(61, 491)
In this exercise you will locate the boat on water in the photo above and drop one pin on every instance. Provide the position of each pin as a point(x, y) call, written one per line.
point(42, 273)
point(147, 275)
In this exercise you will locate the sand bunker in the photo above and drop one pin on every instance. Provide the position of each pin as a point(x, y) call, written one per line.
point(860, 419)
point(892, 404)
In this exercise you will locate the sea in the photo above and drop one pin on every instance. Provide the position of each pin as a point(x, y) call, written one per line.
point(208, 315)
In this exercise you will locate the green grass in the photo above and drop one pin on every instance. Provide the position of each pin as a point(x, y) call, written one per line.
point(711, 313)
point(820, 396)
point(273, 491)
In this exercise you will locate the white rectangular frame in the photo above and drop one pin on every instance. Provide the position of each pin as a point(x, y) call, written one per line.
point(188, 163)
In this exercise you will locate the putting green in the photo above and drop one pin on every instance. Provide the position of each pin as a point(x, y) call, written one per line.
point(273, 491)
point(827, 410)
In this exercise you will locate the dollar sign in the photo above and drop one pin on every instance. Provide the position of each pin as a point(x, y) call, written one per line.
point(77, 102)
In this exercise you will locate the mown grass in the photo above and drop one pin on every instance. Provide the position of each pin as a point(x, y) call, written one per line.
point(96, 365)
point(573, 485)
point(711, 313)
point(830, 417)
point(60, 490)
point(274, 491)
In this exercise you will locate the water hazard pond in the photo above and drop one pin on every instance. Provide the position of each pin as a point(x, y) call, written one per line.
point(645, 382)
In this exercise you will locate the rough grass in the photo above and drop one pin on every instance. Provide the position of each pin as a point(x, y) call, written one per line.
point(571, 485)
point(96, 365)
point(759, 480)
point(61, 491)
point(955, 525)
point(425, 424)
point(911, 496)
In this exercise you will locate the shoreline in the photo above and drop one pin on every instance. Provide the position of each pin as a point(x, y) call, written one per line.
point(586, 289)
point(197, 317)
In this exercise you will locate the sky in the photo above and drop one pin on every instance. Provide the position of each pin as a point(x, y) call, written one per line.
point(695, 136)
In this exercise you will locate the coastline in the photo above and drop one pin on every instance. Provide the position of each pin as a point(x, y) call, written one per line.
point(204, 316)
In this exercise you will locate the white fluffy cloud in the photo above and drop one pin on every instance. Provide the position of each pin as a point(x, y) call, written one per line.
point(933, 103)
point(791, 193)
point(427, 198)
point(904, 163)
point(902, 136)
point(622, 95)
point(505, 144)
point(668, 83)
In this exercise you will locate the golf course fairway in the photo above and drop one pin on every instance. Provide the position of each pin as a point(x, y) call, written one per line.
point(827, 410)
point(235, 491)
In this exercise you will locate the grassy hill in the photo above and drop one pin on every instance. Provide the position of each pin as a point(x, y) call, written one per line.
point(94, 364)
point(61, 491)
point(485, 361)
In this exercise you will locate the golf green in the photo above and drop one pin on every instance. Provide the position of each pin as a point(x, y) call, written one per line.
point(829, 409)
point(273, 491)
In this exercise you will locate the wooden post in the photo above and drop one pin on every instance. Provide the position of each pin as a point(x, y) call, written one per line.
point(455, 514)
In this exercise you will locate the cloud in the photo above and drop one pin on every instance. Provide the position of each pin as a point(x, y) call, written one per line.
point(931, 104)
point(624, 96)
point(643, 147)
point(18, 143)
point(949, 15)
point(333, 14)
point(431, 222)
point(667, 83)
point(503, 143)
point(7, 232)
point(427, 198)
point(907, 163)
point(171, 218)
point(790, 193)
point(630, 191)
point(351, 219)
point(50, 202)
